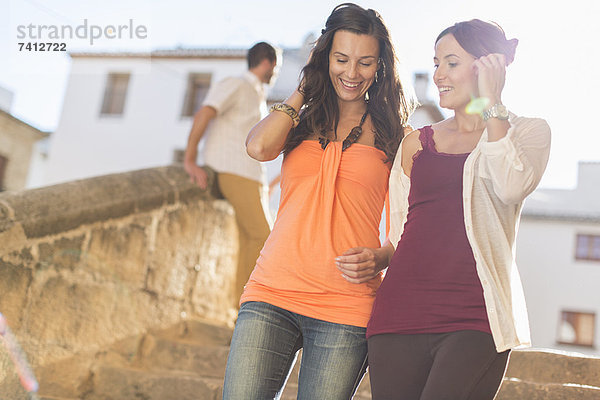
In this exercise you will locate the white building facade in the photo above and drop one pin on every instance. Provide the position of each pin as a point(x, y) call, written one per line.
point(124, 112)
point(558, 253)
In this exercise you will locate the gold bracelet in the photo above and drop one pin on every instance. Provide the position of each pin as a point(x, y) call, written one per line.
point(289, 110)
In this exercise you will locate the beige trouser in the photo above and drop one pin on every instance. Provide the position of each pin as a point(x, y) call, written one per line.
point(245, 196)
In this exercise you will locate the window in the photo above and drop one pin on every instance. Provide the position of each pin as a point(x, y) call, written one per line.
point(588, 247)
point(577, 328)
point(197, 87)
point(3, 162)
point(114, 94)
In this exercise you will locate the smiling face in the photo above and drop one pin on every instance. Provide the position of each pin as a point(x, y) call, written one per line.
point(352, 64)
point(454, 74)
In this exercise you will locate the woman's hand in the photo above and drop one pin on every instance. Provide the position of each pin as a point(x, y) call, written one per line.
point(491, 75)
point(361, 264)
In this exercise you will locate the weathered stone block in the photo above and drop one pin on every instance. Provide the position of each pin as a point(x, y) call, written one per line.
point(81, 289)
point(195, 331)
point(83, 316)
point(554, 367)
point(71, 315)
point(212, 292)
point(22, 256)
point(171, 282)
point(13, 238)
point(6, 220)
point(65, 378)
point(61, 253)
point(10, 387)
point(168, 355)
point(521, 390)
point(148, 188)
point(116, 384)
point(14, 284)
point(59, 208)
point(178, 237)
point(120, 254)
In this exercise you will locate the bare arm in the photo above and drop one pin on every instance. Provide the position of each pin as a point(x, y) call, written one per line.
point(410, 145)
point(201, 121)
point(267, 138)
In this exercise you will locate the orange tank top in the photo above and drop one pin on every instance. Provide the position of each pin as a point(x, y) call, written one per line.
point(330, 202)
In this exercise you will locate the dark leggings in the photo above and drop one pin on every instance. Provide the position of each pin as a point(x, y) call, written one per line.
point(459, 365)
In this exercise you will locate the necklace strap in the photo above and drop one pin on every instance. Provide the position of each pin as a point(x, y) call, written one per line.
point(352, 136)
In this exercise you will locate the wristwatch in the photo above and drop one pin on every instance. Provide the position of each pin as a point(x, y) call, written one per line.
point(496, 111)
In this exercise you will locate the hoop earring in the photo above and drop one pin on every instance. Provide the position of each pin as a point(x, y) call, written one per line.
point(376, 77)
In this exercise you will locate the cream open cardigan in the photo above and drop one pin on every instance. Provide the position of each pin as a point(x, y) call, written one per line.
point(497, 177)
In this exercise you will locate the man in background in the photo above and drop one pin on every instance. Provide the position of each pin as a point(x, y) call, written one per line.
point(231, 108)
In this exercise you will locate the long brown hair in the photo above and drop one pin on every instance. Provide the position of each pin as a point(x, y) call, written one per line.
point(388, 107)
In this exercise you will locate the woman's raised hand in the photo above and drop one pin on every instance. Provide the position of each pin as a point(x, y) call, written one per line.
point(491, 75)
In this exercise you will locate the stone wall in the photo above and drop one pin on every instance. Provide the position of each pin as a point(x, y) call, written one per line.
point(86, 263)
point(542, 374)
point(90, 263)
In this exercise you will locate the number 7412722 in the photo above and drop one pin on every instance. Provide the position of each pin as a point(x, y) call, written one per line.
point(42, 46)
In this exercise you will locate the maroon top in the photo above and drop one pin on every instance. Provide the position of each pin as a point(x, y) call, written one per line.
point(431, 285)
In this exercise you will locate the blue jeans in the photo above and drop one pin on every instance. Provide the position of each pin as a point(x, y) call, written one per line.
point(263, 350)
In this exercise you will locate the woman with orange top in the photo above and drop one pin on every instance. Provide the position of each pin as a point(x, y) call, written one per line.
point(334, 181)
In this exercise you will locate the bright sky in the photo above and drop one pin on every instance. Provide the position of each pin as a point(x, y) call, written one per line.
point(554, 76)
